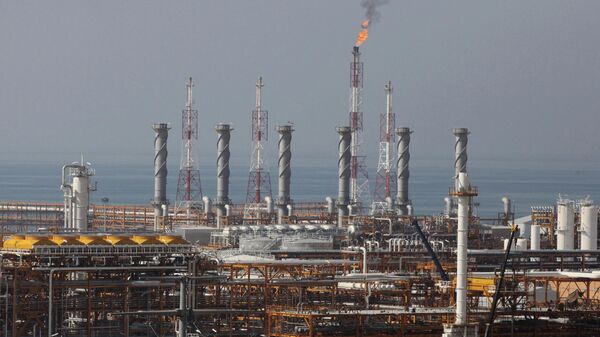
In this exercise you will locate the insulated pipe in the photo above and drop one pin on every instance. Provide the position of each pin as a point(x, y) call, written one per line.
point(285, 171)
point(224, 135)
point(460, 150)
point(589, 227)
point(182, 319)
point(160, 202)
point(343, 172)
point(403, 155)
point(463, 189)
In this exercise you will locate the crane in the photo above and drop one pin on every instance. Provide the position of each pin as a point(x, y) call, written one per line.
point(434, 257)
point(488, 326)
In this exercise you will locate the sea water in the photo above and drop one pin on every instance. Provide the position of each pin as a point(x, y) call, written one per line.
point(527, 183)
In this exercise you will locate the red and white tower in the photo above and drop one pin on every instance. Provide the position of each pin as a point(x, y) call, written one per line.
point(385, 183)
point(188, 201)
point(359, 177)
point(259, 180)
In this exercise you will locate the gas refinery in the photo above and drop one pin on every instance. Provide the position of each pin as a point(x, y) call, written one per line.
point(359, 262)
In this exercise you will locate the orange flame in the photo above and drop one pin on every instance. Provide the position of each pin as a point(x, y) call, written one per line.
point(363, 35)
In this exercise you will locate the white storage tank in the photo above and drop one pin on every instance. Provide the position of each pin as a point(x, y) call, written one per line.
point(521, 244)
point(565, 237)
point(589, 227)
point(535, 237)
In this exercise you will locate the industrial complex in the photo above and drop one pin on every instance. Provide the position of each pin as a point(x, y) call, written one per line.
point(361, 263)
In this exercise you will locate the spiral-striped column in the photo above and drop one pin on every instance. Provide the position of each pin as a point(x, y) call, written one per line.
point(223, 154)
point(403, 155)
point(343, 171)
point(160, 173)
point(285, 171)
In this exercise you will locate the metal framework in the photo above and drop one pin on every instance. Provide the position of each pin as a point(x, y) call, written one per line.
point(385, 183)
point(359, 176)
point(259, 179)
point(188, 200)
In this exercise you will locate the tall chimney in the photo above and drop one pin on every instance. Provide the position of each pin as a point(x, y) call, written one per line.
point(343, 172)
point(160, 201)
point(285, 172)
point(403, 156)
point(224, 132)
point(463, 191)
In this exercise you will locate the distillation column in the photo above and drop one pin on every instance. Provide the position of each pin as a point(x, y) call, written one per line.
point(285, 171)
point(223, 154)
point(160, 202)
point(77, 194)
point(403, 156)
point(343, 172)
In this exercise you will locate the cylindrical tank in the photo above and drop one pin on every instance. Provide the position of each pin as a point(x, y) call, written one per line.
point(448, 206)
point(285, 171)
point(565, 237)
point(343, 172)
point(521, 244)
point(207, 203)
point(223, 154)
point(330, 205)
point(460, 150)
point(403, 155)
point(160, 202)
point(81, 195)
point(269, 203)
point(535, 237)
point(589, 227)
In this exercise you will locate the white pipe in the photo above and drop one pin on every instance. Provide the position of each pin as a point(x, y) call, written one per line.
point(364, 251)
point(463, 186)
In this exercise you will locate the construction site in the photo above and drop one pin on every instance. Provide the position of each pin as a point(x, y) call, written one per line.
point(361, 263)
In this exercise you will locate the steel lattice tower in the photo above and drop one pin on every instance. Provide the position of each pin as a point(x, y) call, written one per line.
point(385, 183)
point(189, 190)
point(359, 177)
point(259, 180)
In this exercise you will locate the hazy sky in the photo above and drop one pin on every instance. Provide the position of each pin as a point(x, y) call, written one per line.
point(92, 76)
